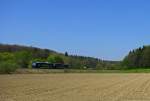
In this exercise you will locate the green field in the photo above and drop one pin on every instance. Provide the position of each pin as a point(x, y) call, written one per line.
point(45, 71)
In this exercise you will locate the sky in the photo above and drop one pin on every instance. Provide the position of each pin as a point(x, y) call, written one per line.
point(106, 29)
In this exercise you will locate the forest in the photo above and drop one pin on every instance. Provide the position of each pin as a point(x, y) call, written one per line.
point(138, 58)
point(13, 57)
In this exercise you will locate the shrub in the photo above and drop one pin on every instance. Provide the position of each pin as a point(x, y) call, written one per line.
point(7, 67)
point(23, 58)
point(55, 59)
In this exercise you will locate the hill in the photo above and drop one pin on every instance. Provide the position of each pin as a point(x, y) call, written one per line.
point(24, 55)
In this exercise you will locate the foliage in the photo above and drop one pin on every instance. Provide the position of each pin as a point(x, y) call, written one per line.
point(6, 56)
point(7, 63)
point(8, 67)
point(66, 54)
point(55, 59)
point(23, 58)
point(138, 58)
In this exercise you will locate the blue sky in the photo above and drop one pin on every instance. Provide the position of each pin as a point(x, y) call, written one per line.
point(107, 29)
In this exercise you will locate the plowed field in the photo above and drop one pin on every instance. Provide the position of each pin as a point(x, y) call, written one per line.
point(75, 87)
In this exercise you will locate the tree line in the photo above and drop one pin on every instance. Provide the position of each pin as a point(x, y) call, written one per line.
point(138, 58)
point(17, 56)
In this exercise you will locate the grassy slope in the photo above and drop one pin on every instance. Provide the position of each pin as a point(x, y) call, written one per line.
point(43, 71)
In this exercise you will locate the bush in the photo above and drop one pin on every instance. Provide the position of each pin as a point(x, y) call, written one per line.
point(7, 67)
point(23, 58)
point(55, 59)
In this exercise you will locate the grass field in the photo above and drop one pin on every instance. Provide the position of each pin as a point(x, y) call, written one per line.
point(75, 87)
point(50, 71)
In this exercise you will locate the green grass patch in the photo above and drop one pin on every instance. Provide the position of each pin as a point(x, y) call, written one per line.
point(47, 71)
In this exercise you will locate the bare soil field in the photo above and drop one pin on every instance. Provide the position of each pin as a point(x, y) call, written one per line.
point(75, 87)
